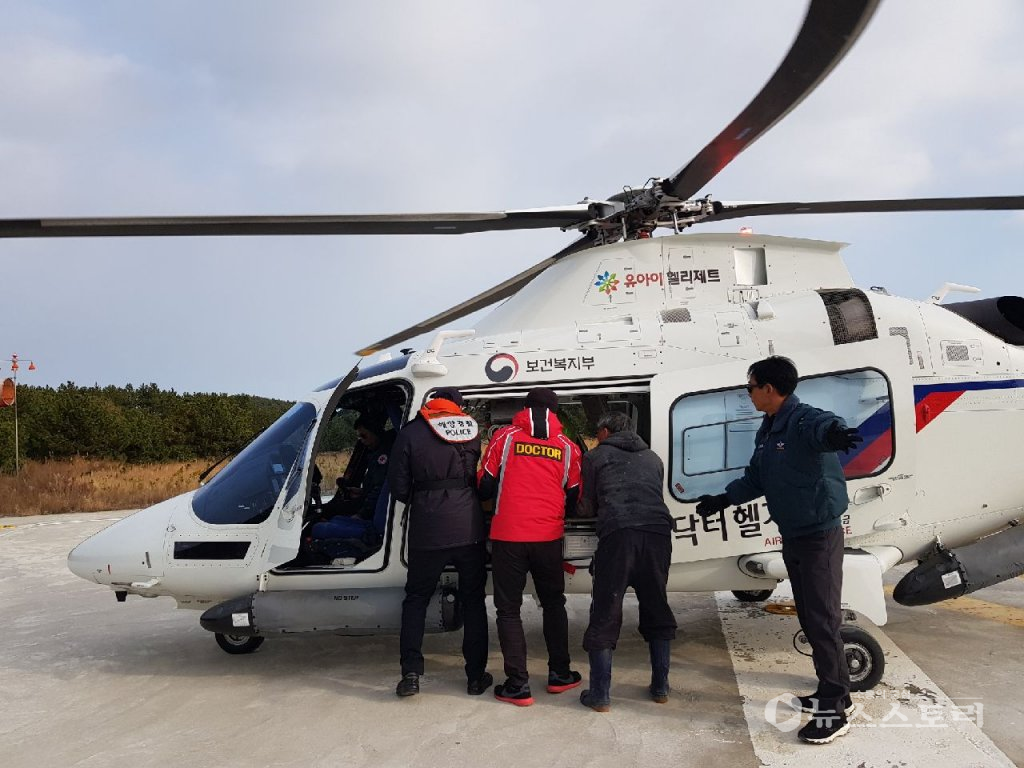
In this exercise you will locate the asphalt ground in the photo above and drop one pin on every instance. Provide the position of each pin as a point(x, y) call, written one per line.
point(86, 681)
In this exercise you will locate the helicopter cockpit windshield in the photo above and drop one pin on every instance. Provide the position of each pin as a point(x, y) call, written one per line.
point(245, 491)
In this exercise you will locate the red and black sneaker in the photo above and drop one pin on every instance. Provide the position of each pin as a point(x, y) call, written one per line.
point(510, 694)
point(560, 683)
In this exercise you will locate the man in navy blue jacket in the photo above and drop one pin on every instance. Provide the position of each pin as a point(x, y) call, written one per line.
point(796, 469)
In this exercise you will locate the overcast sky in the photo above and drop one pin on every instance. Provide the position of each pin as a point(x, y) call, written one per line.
point(129, 108)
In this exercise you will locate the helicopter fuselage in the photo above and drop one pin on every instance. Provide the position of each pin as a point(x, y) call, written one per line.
point(663, 329)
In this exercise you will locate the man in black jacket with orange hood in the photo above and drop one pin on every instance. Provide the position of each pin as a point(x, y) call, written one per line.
point(433, 472)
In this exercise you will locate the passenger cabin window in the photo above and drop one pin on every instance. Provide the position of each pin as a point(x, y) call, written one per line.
point(713, 433)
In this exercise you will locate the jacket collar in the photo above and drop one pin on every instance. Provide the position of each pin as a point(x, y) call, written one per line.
point(781, 418)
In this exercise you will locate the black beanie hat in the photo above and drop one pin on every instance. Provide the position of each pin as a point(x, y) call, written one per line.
point(542, 397)
point(449, 393)
point(372, 422)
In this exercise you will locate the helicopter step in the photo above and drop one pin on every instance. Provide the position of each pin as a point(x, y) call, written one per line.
point(862, 577)
point(343, 611)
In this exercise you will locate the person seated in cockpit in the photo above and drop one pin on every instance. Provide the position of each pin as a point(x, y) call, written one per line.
point(358, 498)
point(316, 501)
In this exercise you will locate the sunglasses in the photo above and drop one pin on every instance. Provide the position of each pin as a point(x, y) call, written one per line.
point(752, 387)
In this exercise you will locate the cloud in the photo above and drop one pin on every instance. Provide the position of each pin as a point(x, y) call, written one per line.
point(324, 107)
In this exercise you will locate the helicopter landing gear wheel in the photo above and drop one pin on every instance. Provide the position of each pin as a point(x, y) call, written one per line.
point(238, 644)
point(864, 658)
point(752, 595)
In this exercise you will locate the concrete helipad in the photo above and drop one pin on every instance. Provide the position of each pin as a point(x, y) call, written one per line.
point(86, 681)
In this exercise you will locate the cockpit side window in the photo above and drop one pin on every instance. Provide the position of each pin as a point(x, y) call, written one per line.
point(245, 491)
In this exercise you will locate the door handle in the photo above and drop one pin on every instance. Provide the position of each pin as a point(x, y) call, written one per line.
point(870, 493)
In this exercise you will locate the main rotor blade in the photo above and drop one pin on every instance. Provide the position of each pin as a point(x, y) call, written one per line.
point(360, 224)
point(740, 210)
point(485, 299)
point(828, 31)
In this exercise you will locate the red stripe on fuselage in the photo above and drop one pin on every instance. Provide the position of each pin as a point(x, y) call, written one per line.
point(874, 455)
point(933, 404)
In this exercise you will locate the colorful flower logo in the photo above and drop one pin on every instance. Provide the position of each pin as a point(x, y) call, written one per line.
point(607, 282)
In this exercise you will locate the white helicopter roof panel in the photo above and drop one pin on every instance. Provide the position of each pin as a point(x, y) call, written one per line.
point(677, 271)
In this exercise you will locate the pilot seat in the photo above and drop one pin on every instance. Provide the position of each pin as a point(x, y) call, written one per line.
point(350, 537)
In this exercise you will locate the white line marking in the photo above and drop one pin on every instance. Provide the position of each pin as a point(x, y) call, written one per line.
point(905, 719)
point(8, 528)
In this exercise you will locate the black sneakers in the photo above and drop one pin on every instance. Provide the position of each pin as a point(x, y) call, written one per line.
point(561, 683)
point(510, 694)
point(409, 685)
point(824, 727)
point(522, 697)
point(481, 684)
point(809, 704)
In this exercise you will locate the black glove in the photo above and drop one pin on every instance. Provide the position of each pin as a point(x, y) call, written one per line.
point(839, 438)
point(710, 505)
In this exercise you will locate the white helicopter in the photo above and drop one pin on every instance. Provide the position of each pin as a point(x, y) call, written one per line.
point(661, 328)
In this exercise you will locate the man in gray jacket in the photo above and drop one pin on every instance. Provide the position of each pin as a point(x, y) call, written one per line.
point(796, 469)
point(622, 482)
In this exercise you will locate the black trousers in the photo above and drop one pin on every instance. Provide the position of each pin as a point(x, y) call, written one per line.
point(637, 559)
point(425, 568)
point(511, 561)
point(815, 566)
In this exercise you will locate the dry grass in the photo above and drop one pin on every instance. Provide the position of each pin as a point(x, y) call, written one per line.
point(93, 485)
point(96, 485)
point(332, 465)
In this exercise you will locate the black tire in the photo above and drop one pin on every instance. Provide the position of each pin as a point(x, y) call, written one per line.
point(864, 658)
point(237, 644)
point(752, 595)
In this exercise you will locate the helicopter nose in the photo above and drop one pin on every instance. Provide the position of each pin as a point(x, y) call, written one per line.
point(127, 553)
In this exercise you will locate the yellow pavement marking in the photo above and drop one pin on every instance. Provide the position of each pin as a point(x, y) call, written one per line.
point(980, 609)
point(781, 608)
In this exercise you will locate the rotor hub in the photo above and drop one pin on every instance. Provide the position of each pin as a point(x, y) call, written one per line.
point(634, 214)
